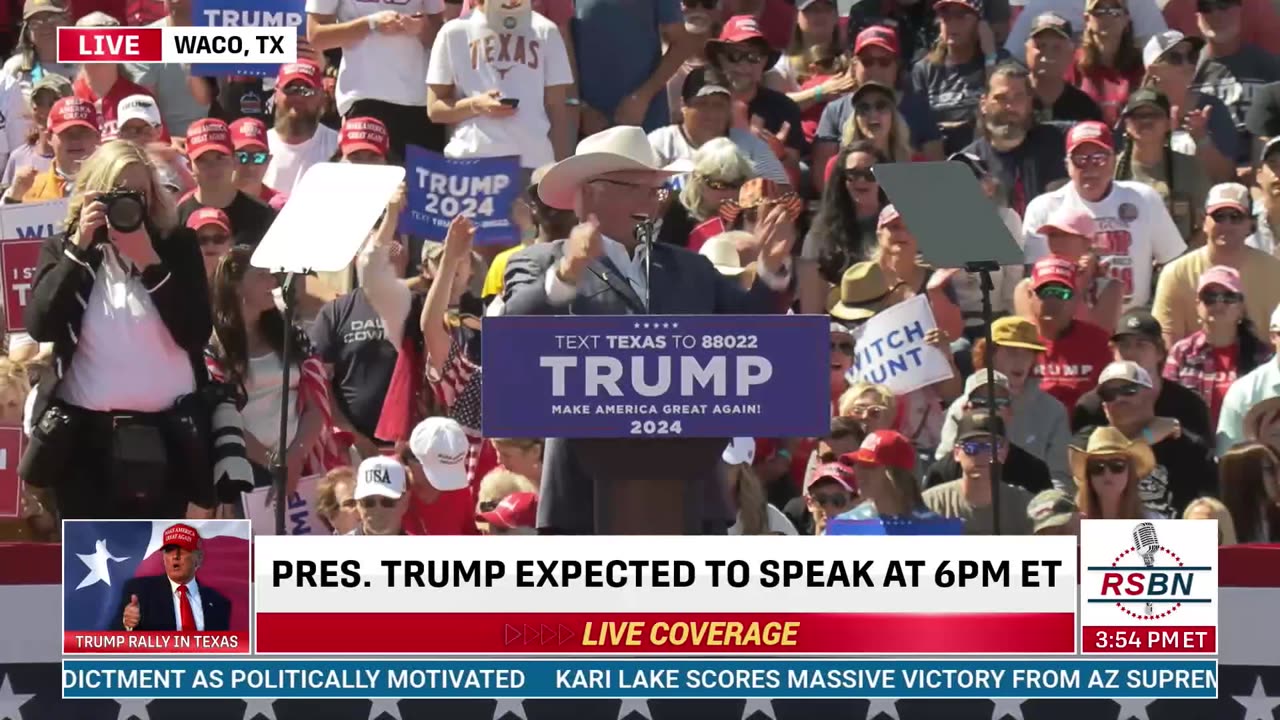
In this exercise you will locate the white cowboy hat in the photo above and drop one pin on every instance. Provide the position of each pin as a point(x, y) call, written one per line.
point(617, 149)
point(722, 251)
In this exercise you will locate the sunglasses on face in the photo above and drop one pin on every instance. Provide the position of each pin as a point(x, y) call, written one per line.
point(721, 185)
point(44, 21)
point(219, 239)
point(1228, 216)
point(845, 347)
point(1212, 5)
point(867, 411)
point(648, 190)
point(1146, 116)
point(299, 91)
point(1102, 467)
point(872, 106)
point(837, 499)
point(1094, 160)
point(1111, 393)
point(877, 62)
point(1055, 292)
point(975, 448)
point(348, 504)
point(245, 157)
point(1108, 12)
point(372, 502)
point(979, 402)
point(851, 174)
point(1223, 296)
point(703, 4)
point(743, 56)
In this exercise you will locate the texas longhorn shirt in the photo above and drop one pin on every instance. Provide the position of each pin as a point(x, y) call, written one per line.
point(1070, 365)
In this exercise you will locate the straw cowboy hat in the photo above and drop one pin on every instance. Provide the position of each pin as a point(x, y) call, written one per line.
point(1110, 441)
point(722, 251)
point(862, 293)
point(617, 149)
point(1260, 423)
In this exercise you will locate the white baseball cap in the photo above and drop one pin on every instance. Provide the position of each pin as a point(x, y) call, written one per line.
point(1125, 370)
point(441, 446)
point(382, 476)
point(740, 451)
point(138, 107)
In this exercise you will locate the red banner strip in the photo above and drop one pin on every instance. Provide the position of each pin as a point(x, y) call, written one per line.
point(80, 642)
point(1131, 640)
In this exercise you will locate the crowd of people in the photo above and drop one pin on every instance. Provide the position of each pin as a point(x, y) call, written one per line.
point(1130, 147)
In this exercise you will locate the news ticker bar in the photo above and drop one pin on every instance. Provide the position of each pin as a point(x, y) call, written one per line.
point(177, 45)
point(650, 679)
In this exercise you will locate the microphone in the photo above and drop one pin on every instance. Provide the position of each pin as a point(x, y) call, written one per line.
point(1146, 543)
point(644, 234)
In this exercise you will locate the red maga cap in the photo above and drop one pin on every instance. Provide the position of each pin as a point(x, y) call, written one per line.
point(209, 216)
point(69, 111)
point(839, 472)
point(741, 28)
point(885, 38)
point(888, 448)
point(1090, 132)
point(248, 132)
point(363, 133)
point(208, 134)
point(304, 70)
point(517, 510)
point(183, 536)
point(1053, 269)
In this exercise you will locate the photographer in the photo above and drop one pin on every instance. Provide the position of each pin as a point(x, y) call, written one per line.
point(117, 429)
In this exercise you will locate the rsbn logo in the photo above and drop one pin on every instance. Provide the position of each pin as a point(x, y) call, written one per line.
point(1147, 580)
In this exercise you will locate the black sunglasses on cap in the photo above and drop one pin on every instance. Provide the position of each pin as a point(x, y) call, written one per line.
point(1113, 391)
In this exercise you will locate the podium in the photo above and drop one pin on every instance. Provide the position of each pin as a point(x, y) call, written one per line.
point(652, 486)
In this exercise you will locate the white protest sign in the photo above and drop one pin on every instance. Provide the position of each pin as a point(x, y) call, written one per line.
point(29, 221)
point(300, 516)
point(892, 351)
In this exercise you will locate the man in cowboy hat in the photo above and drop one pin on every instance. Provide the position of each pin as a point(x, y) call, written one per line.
point(602, 269)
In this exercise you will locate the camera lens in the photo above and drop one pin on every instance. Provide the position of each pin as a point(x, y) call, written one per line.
point(125, 213)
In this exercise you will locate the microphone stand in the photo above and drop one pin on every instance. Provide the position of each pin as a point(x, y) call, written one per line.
point(279, 460)
point(983, 269)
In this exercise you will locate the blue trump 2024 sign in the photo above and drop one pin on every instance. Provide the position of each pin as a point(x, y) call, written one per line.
point(247, 13)
point(483, 189)
point(581, 376)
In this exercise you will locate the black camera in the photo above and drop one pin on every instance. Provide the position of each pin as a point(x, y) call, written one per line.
point(126, 209)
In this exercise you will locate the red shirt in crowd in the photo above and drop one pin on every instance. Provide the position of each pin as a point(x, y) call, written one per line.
point(1069, 366)
point(117, 9)
point(122, 89)
point(1107, 86)
point(1207, 370)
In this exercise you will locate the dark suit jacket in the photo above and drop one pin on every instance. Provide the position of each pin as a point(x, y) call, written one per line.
point(155, 605)
point(681, 282)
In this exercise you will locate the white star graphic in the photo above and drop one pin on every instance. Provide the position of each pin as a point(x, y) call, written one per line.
point(384, 705)
point(11, 702)
point(253, 707)
point(1133, 708)
point(96, 561)
point(758, 705)
point(1257, 705)
point(507, 706)
point(882, 706)
point(1006, 707)
point(133, 708)
point(634, 705)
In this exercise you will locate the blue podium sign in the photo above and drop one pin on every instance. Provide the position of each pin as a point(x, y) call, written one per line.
point(581, 376)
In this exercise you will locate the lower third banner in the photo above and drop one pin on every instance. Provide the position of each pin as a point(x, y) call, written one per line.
point(650, 679)
point(656, 376)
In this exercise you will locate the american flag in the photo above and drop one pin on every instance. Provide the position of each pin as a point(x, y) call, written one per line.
point(457, 388)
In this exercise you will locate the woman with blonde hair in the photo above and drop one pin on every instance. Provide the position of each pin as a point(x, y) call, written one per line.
point(1207, 508)
point(884, 467)
point(755, 516)
point(875, 406)
point(499, 483)
point(122, 296)
point(719, 169)
point(336, 500)
point(1106, 472)
point(877, 120)
point(1249, 481)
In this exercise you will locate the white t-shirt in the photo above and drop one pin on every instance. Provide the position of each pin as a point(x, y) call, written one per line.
point(261, 411)
point(474, 59)
point(289, 162)
point(389, 68)
point(670, 144)
point(1134, 232)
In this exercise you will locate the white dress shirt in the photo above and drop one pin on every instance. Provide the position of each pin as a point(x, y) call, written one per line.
point(560, 292)
point(193, 595)
point(125, 357)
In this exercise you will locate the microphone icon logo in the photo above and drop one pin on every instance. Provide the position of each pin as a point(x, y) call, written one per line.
point(1147, 544)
